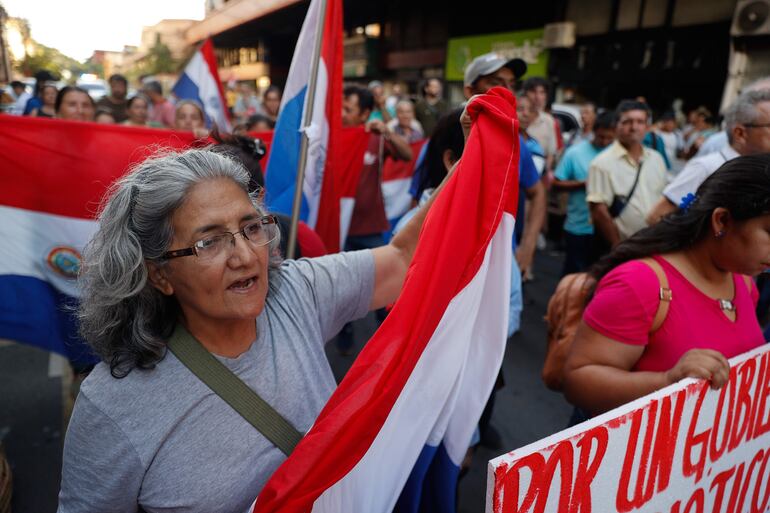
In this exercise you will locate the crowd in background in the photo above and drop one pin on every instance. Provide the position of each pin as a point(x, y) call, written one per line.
point(576, 223)
point(620, 186)
point(147, 107)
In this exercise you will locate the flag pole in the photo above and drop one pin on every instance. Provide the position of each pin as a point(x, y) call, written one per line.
point(305, 141)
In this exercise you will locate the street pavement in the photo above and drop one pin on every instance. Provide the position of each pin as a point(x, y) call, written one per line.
point(35, 403)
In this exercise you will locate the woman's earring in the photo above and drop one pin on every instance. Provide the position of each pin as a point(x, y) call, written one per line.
point(719, 234)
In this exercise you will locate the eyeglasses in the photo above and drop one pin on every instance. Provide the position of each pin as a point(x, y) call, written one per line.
point(757, 125)
point(258, 233)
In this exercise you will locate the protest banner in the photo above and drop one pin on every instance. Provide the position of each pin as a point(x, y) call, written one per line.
point(684, 449)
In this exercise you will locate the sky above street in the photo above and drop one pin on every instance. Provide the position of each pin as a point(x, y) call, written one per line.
point(78, 27)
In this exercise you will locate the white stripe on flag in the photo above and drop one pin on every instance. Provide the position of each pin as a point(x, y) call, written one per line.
point(317, 147)
point(474, 321)
point(198, 72)
point(481, 366)
point(302, 61)
point(395, 194)
point(30, 236)
point(346, 214)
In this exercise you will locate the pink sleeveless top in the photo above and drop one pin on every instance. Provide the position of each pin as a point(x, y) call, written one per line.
point(626, 300)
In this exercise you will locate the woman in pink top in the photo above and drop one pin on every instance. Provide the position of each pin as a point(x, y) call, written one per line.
point(707, 249)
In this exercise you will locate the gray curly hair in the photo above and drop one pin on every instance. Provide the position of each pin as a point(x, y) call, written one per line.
point(122, 316)
point(744, 110)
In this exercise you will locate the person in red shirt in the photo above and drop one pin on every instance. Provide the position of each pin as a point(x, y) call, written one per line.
point(369, 221)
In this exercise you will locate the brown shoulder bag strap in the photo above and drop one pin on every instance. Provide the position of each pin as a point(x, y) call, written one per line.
point(665, 295)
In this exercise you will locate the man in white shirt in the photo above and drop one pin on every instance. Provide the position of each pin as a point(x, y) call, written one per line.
point(543, 127)
point(718, 141)
point(713, 143)
point(626, 172)
point(747, 124)
point(21, 98)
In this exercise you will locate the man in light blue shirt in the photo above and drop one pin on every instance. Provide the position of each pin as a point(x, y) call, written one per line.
point(571, 175)
point(713, 144)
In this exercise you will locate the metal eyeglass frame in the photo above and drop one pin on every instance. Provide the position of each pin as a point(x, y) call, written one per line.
point(193, 250)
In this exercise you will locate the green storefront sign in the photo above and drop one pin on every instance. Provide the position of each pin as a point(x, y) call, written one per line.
point(525, 44)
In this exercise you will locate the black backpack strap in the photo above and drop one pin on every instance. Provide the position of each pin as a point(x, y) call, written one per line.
point(636, 181)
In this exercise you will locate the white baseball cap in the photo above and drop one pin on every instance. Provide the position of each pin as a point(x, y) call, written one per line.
point(489, 63)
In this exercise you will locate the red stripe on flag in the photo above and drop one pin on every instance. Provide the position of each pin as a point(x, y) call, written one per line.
point(207, 50)
point(393, 169)
point(343, 169)
point(452, 245)
point(64, 167)
point(338, 169)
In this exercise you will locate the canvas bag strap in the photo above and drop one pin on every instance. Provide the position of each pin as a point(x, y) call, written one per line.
point(665, 295)
point(233, 391)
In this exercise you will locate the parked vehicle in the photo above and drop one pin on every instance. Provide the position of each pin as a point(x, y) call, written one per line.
point(568, 116)
point(96, 87)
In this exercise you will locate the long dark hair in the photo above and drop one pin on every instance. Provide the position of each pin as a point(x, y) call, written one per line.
point(246, 150)
point(448, 135)
point(741, 185)
point(64, 91)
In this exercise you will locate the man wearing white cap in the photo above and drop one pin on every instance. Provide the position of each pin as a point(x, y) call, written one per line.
point(490, 70)
point(485, 72)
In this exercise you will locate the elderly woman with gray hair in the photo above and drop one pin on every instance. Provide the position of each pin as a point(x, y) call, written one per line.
point(184, 253)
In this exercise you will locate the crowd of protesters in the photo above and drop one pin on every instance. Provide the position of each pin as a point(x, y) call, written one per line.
point(627, 179)
point(651, 208)
point(147, 107)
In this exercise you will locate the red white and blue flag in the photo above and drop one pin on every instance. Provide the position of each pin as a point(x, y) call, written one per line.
point(396, 180)
point(53, 174)
point(323, 193)
point(200, 82)
point(403, 417)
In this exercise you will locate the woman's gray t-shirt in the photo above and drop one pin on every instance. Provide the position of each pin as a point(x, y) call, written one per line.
point(163, 440)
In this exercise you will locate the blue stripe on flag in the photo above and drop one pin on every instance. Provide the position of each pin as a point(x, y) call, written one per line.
point(284, 157)
point(35, 313)
point(439, 492)
point(432, 485)
point(409, 500)
point(186, 89)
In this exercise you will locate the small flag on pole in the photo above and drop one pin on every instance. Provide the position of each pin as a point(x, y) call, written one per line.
point(322, 189)
point(200, 82)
